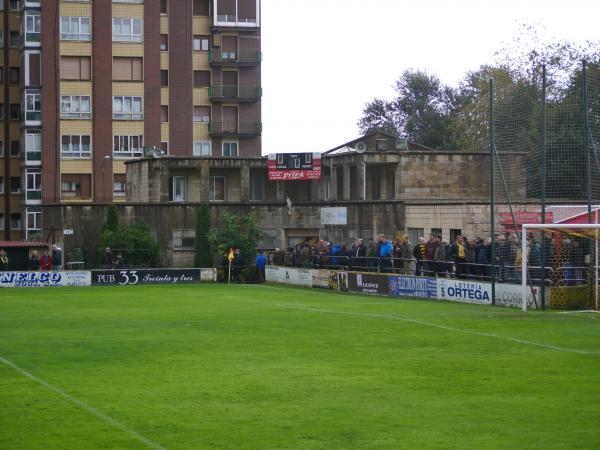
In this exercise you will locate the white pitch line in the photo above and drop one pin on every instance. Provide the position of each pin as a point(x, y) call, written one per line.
point(444, 327)
point(83, 405)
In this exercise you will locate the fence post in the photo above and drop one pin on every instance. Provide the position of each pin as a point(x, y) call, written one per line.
point(543, 187)
point(492, 203)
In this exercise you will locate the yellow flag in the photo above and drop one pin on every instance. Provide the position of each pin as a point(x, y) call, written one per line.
point(230, 256)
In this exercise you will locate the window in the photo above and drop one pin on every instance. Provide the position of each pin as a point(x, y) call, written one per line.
point(15, 111)
point(127, 108)
point(33, 26)
point(15, 149)
point(75, 28)
point(128, 69)
point(15, 221)
point(240, 12)
point(201, 43)
point(201, 113)
point(75, 107)
point(120, 1)
point(33, 106)
point(15, 5)
point(76, 146)
point(164, 113)
point(128, 146)
point(75, 68)
point(164, 146)
point(436, 231)
point(184, 239)
point(33, 146)
point(14, 39)
point(164, 78)
point(127, 30)
point(201, 78)
point(120, 185)
point(164, 42)
point(163, 7)
point(15, 185)
point(177, 187)
point(34, 184)
point(230, 148)
point(15, 75)
point(32, 72)
point(217, 189)
point(202, 148)
point(76, 185)
point(34, 222)
point(454, 233)
point(200, 8)
point(414, 234)
point(257, 187)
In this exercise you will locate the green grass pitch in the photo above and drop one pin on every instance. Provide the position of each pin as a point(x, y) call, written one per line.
point(264, 367)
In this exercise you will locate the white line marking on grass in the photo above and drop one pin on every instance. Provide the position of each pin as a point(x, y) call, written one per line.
point(82, 405)
point(443, 327)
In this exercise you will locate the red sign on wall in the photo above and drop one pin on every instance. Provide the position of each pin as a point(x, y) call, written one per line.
point(522, 217)
point(294, 166)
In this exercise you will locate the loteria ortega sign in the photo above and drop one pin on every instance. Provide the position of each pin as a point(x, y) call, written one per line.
point(294, 166)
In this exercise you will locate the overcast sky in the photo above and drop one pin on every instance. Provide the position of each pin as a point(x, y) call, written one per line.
point(324, 59)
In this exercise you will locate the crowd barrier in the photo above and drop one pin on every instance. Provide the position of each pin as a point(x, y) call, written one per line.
point(113, 277)
point(392, 285)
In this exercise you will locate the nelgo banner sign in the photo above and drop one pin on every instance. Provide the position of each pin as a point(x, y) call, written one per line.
point(464, 291)
point(403, 286)
point(45, 279)
point(146, 276)
point(289, 275)
point(364, 283)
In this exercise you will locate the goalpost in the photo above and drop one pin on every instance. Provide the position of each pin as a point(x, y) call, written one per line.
point(584, 231)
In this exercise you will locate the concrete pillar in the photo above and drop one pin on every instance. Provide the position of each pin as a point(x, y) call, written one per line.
point(244, 183)
point(204, 181)
point(346, 182)
point(398, 190)
point(383, 184)
point(280, 191)
point(361, 177)
point(333, 178)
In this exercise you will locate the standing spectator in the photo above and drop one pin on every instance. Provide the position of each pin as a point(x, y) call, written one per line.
point(459, 254)
point(108, 258)
point(534, 260)
point(34, 261)
point(385, 253)
point(358, 252)
point(305, 255)
point(56, 258)
point(237, 266)
point(261, 262)
point(469, 267)
point(372, 254)
point(119, 261)
point(419, 255)
point(405, 254)
point(3, 260)
point(46, 261)
point(430, 247)
point(442, 252)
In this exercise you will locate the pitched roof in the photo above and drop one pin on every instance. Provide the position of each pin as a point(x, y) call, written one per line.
point(352, 143)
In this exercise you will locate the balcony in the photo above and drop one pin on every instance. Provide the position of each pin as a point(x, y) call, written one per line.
point(233, 58)
point(234, 92)
point(241, 129)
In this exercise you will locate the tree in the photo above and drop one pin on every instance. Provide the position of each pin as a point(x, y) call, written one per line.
point(236, 231)
point(420, 111)
point(202, 257)
point(135, 241)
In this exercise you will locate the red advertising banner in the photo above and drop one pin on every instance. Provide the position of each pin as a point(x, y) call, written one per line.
point(522, 217)
point(294, 166)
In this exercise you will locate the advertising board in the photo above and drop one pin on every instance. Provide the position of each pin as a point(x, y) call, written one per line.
point(146, 276)
point(321, 278)
point(289, 275)
point(294, 166)
point(45, 279)
point(512, 295)
point(364, 283)
point(464, 291)
point(334, 216)
point(403, 286)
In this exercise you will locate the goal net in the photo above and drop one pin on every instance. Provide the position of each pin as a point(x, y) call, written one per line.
point(564, 259)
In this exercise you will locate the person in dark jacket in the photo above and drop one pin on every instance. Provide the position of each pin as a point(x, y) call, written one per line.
point(56, 258)
point(430, 247)
point(419, 255)
point(357, 253)
point(34, 261)
point(108, 257)
point(3, 260)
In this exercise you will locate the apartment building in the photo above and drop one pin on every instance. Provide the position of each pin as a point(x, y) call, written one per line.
point(95, 83)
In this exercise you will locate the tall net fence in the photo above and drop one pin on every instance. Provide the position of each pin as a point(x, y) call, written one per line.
point(545, 142)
